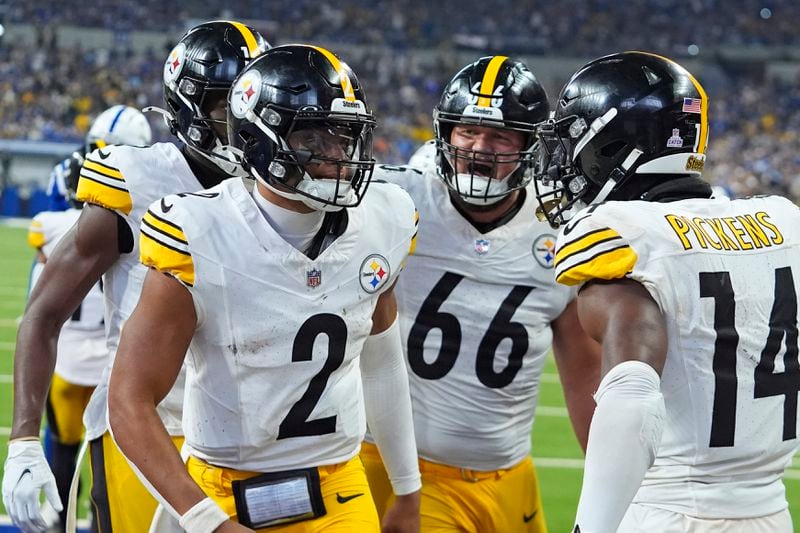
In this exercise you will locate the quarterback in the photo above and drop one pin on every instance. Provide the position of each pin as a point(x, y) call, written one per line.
point(280, 287)
point(692, 297)
point(117, 184)
point(480, 308)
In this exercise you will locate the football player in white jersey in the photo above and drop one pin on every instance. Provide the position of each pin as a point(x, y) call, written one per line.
point(117, 184)
point(281, 289)
point(480, 308)
point(119, 124)
point(694, 299)
point(82, 354)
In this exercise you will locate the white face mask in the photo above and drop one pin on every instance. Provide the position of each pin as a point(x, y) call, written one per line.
point(480, 190)
point(323, 189)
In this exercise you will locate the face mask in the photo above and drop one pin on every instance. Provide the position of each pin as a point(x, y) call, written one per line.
point(480, 190)
point(322, 189)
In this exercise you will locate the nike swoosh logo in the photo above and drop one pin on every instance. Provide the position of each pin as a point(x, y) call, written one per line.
point(103, 155)
point(345, 499)
point(165, 207)
point(527, 518)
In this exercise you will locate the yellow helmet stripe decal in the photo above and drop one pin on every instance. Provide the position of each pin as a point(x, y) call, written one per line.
point(249, 38)
point(344, 79)
point(489, 80)
point(701, 145)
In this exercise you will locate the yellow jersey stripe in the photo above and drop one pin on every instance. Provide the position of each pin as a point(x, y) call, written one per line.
point(609, 264)
point(164, 226)
point(344, 79)
point(95, 192)
point(100, 143)
point(105, 170)
point(701, 145)
point(249, 38)
point(413, 245)
point(585, 242)
point(35, 236)
point(490, 79)
point(162, 257)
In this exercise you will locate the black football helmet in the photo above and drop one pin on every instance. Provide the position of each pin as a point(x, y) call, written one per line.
point(624, 125)
point(497, 92)
point(298, 107)
point(198, 73)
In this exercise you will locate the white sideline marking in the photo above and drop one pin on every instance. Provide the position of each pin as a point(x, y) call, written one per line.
point(8, 323)
point(546, 410)
point(548, 377)
point(7, 345)
point(557, 462)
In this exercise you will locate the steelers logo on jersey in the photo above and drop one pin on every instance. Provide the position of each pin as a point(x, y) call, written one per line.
point(374, 274)
point(245, 93)
point(544, 250)
point(174, 64)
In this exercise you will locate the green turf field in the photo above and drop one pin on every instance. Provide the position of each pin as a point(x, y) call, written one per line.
point(555, 451)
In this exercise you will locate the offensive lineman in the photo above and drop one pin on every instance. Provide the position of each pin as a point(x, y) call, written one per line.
point(117, 184)
point(82, 354)
point(480, 308)
point(694, 299)
point(275, 287)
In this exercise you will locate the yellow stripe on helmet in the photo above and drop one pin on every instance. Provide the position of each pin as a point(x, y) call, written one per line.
point(489, 80)
point(344, 79)
point(703, 141)
point(249, 39)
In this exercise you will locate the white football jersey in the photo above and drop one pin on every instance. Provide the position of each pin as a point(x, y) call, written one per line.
point(475, 315)
point(722, 273)
point(82, 352)
point(424, 156)
point(274, 381)
point(127, 180)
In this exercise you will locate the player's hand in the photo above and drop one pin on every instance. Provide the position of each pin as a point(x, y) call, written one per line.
point(403, 516)
point(26, 474)
point(231, 527)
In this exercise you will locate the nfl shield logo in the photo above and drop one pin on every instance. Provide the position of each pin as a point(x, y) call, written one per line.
point(314, 278)
point(482, 246)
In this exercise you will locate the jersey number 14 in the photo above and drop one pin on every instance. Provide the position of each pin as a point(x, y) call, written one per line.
point(782, 324)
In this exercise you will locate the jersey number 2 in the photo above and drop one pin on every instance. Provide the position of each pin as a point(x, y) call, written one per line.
point(296, 423)
point(782, 324)
point(501, 327)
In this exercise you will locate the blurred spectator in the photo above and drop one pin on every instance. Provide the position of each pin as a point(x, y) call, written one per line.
point(55, 92)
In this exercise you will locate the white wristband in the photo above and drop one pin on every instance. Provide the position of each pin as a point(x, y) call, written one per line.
point(204, 517)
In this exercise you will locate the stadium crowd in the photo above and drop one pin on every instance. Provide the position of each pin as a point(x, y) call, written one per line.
point(569, 26)
point(54, 93)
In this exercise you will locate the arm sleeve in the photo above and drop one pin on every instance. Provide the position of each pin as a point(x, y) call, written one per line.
point(623, 439)
point(388, 407)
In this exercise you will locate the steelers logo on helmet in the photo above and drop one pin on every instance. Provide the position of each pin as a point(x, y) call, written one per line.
point(174, 63)
point(375, 273)
point(544, 250)
point(244, 95)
